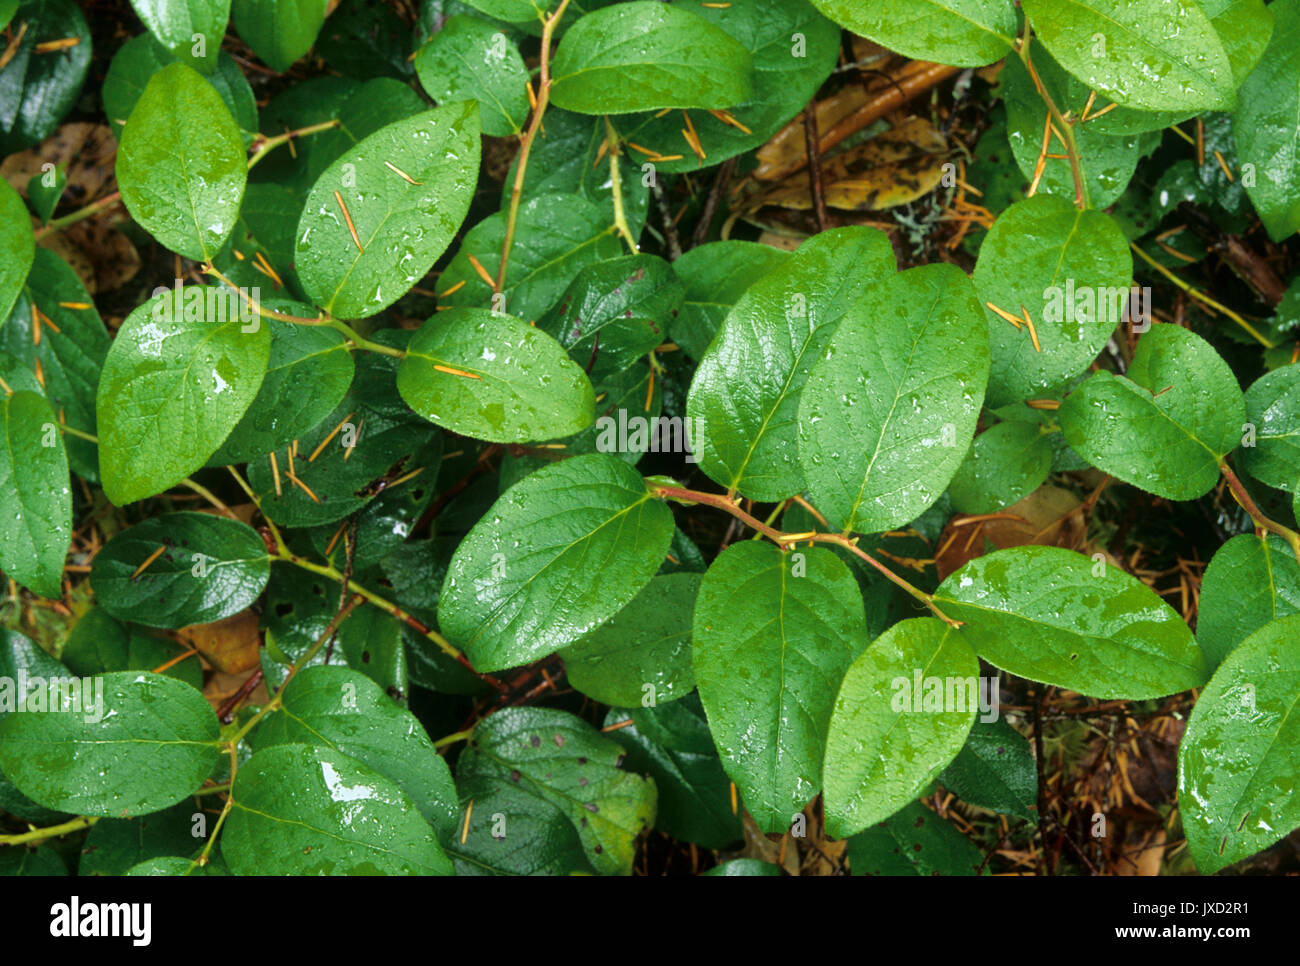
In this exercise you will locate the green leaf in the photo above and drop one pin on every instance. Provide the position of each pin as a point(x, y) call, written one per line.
point(965, 33)
point(1245, 28)
point(179, 376)
point(774, 634)
point(1237, 760)
point(308, 373)
point(559, 553)
point(401, 227)
point(336, 708)
point(1265, 128)
point(511, 831)
point(137, 60)
point(715, 276)
point(177, 24)
point(365, 39)
point(115, 846)
point(141, 743)
point(557, 235)
point(300, 810)
point(42, 861)
point(643, 56)
point(1154, 55)
point(1071, 271)
point(210, 567)
point(471, 59)
point(99, 643)
point(1273, 408)
point(744, 398)
point(38, 89)
point(614, 312)
point(915, 841)
point(644, 651)
point(1167, 424)
point(1055, 616)
point(279, 31)
point(45, 189)
point(745, 867)
point(890, 408)
point(493, 377)
point(181, 163)
point(563, 760)
point(1250, 581)
point(17, 246)
point(899, 719)
point(1006, 463)
point(36, 525)
point(70, 351)
point(995, 770)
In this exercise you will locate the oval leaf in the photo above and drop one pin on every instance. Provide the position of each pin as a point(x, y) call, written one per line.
point(1273, 409)
point(279, 31)
point(17, 246)
point(36, 524)
point(1250, 581)
point(471, 59)
point(965, 33)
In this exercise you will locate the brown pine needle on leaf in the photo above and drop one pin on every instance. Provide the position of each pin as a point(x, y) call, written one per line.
point(1004, 314)
point(401, 174)
point(148, 560)
point(482, 272)
point(451, 371)
point(348, 218)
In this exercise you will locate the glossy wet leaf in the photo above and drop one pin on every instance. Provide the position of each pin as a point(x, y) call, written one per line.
point(511, 831)
point(898, 721)
point(1006, 463)
point(1053, 615)
point(1273, 408)
point(178, 378)
point(1264, 126)
point(99, 643)
point(181, 163)
point(339, 709)
point(995, 770)
point(115, 846)
point(1159, 426)
point(37, 88)
point(915, 841)
point(17, 246)
point(279, 31)
point(890, 407)
point(36, 524)
point(744, 398)
point(1250, 581)
point(404, 191)
point(644, 651)
point(1154, 55)
point(491, 376)
point(560, 758)
point(176, 22)
point(153, 741)
point(967, 33)
point(643, 56)
point(1238, 757)
point(1071, 271)
point(774, 633)
point(471, 59)
point(303, 810)
point(557, 555)
point(715, 276)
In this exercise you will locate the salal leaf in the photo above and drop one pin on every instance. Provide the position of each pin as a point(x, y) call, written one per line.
point(744, 398)
point(40, 86)
point(1056, 616)
point(995, 771)
point(614, 312)
point(715, 275)
point(510, 831)
point(1005, 464)
point(308, 373)
point(557, 235)
point(20, 860)
point(1071, 271)
point(379, 216)
point(115, 846)
point(99, 642)
point(915, 841)
point(559, 758)
point(179, 376)
point(1165, 425)
point(1250, 581)
point(644, 651)
point(210, 567)
point(490, 376)
point(889, 410)
point(36, 524)
point(190, 29)
point(1273, 409)
point(141, 744)
point(1154, 55)
point(181, 163)
point(339, 709)
point(774, 634)
point(559, 553)
point(744, 867)
point(17, 246)
point(279, 31)
point(966, 33)
point(302, 810)
point(1238, 758)
point(898, 721)
point(1245, 28)
point(643, 56)
point(1264, 126)
point(471, 59)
